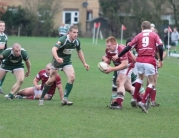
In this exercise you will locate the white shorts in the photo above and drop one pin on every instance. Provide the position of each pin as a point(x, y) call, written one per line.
point(145, 68)
point(37, 92)
point(127, 71)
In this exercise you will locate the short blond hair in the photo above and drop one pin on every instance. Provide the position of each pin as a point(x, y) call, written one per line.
point(111, 39)
point(73, 27)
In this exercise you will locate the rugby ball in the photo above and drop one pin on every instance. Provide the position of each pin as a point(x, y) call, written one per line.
point(102, 66)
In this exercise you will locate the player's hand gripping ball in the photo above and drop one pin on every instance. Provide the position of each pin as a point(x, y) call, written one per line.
point(102, 66)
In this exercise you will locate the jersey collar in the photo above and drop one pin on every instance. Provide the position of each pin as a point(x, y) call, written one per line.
point(69, 39)
point(2, 34)
point(147, 30)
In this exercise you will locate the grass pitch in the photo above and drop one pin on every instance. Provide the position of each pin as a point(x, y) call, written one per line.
point(89, 117)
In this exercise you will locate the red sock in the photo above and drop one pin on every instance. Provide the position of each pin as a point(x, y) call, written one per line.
point(136, 91)
point(139, 98)
point(119, 101)
point(147, 93)
point(153, 95)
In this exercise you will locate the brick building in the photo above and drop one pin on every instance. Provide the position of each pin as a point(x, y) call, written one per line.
point(71, 11)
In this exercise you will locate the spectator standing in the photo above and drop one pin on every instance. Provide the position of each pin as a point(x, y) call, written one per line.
point(174, 38)
point(63, 30)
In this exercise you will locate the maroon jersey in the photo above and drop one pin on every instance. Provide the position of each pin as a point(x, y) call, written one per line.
point(126, 56)
point(145, 44)
point(43, 77)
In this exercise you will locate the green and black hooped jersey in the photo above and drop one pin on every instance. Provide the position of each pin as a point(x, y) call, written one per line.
point(65, 49)
point(10, 61)
point(3, 41)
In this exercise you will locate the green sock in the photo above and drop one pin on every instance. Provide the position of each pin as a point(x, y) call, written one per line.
point(45, 90)
point(68, 89)
point(1, 82)
point(11, 95)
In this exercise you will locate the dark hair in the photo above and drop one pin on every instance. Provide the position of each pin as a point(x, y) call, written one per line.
point(128, 40)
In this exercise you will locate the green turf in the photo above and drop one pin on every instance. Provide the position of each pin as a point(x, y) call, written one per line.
point(88, 117)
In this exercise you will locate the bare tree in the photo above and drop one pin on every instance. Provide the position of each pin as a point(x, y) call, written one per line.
point(42, 13)
point(174, 6)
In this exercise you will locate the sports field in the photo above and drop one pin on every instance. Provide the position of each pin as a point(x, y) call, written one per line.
point(89, 117)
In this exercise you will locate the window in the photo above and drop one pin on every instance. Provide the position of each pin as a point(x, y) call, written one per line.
point(89, 15)
point(67, 18)
point(70, 17)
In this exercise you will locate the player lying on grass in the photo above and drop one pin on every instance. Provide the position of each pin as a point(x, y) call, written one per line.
point(123, 66)
point(36, 91)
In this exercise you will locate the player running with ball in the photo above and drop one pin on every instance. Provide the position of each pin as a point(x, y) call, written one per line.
point(124, 66)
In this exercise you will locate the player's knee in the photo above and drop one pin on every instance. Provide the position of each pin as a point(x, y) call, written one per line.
point(139, 81)
point(20, 81)
point(151, 86)
point(71, 78)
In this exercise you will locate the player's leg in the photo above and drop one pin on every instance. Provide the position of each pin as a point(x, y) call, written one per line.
point(114, 88)
point(114, 91)
point(46, 97)
point(26, 92)
point(121, 80)
point(47, 85)
point(149, 73)
point(154, 92)
point(128, 86)
point(138, 84)
point(70, 73)
point(2, 77)
point(1, 82)
point(19, 74)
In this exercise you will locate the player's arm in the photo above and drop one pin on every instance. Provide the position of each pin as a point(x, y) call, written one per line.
point(106, 60)
point(160, 50)
point(25, 57)
point(1, 58)
point(35, 82)
point(28, 65)
point(133, 57)
point(2, 46)
point(123, 65)
point(5, 54)
point(125, 50)
point(60, 90)
point(164, 54)
point(54, 53)
point(82, 58)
